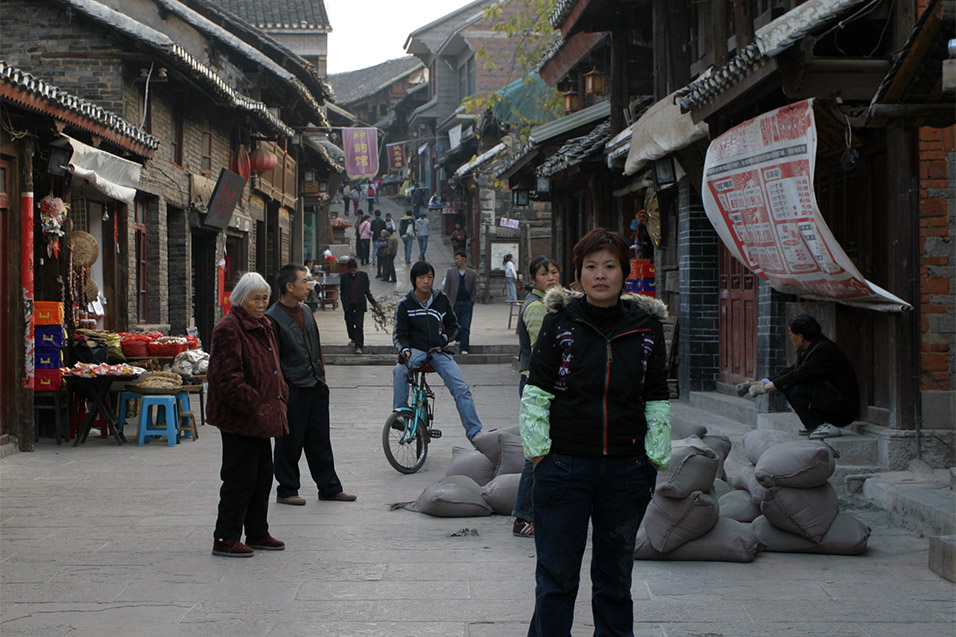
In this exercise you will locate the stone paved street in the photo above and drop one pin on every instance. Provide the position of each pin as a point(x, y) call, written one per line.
point(105, 540)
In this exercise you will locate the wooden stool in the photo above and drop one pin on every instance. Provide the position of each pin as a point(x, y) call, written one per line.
point(187, 424)
point(514, 311)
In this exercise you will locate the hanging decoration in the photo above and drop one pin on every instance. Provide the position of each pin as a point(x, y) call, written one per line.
point(262, 160)
point(241, 164)
point(52, 215)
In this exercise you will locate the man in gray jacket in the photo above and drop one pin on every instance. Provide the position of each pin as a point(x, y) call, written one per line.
point(300, 358)
point(461, 288)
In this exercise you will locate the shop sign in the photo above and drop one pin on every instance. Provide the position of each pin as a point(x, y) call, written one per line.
point(509, 223)
point(224, 198)
point(396, 156)
point(361, 151)
point(758, 193)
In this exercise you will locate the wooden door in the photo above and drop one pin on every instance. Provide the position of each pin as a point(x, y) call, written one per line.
point(738, 319)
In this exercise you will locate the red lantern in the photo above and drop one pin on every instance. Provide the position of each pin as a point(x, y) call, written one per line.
point(262, 160)
point(241, 164)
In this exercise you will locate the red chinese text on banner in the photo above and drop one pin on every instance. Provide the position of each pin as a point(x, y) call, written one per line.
point(758, 194)
point(361, 151)
point(396, 156)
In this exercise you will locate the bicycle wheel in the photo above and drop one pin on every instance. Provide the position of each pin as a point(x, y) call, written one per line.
point(406, 456)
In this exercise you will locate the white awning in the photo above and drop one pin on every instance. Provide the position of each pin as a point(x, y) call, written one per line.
point(659, 132)
point(113, 176)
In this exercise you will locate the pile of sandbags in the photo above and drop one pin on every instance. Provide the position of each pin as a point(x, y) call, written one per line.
point(682, 521)
point(479, 481)
point(792, 505)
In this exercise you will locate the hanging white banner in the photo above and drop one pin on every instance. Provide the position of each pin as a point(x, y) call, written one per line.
point(758, 194)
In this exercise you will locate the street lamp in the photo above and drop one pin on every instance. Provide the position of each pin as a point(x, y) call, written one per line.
point(520, 197)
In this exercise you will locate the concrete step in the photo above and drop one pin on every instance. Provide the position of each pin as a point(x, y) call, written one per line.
point(921, 500)
point(742, 410)
point(386, 355)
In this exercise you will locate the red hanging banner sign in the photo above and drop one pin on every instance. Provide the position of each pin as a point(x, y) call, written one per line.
point(396, 156)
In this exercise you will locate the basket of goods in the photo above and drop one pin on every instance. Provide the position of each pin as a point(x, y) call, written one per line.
point(112, 339)
point(157, 383)
point(137, 345)
point(94, 370)
point(190, 363)
point(168, 346)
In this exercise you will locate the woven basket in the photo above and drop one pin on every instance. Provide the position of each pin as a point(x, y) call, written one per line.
point(85, 249)
point(153, 391)
point(91, 289)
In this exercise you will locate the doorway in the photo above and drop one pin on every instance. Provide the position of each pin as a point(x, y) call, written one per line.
point(737, 330)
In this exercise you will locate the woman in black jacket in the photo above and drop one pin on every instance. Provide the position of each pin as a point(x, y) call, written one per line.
point(595, 422)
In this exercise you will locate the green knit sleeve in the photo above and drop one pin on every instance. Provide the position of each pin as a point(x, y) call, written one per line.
point(657, 441)
point(534, 419)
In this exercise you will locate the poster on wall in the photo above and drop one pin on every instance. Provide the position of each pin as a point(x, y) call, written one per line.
point(758, 194)
point(361, 151)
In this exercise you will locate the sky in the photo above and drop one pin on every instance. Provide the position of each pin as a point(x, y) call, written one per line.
point(367, 32)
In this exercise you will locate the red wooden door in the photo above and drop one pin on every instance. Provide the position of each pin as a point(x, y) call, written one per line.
point(6, 312)
point(738, 319)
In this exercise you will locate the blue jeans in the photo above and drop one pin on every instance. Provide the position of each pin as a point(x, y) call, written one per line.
point(568, 491)
point(524, 501)
point(378, 246)
point(447, 368)
point(511, 293)
point(409, 242)
point(422, 245)
point(464, 310)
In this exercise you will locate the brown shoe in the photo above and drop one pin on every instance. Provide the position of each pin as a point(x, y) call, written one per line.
point(294, 500)
point(265, 543)
point(341, 496)
point(231, 548)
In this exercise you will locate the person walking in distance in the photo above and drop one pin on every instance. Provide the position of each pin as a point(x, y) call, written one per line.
point(511, 278)
point(422, 230)
point(389, 252)
point(356, 196)
point(247, 402)
point(365, 238)
point(300, 354)
point(353, 292)
point(378, 224)
point(461, 287)
point(406, 230)
point(346, 199)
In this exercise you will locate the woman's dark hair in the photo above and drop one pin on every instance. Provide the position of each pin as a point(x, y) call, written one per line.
point(288, 274)
point(806, 326)
point(351, 264)
point(601, 239)
point(420, 268)
point(507, 258)
point(540, 262)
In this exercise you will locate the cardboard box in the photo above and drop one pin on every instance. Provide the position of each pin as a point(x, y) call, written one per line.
point(52, 336)
point(48, 358)
point(47, 380)
point(48, 313)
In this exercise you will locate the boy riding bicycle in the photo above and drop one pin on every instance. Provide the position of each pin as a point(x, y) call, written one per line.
point(424, 321)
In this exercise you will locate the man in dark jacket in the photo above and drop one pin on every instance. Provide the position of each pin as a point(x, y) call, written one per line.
point(353, 291)
point(378, 224)
point(300, 357)
point(461, 287)
point(820, 386)
point(425, 321)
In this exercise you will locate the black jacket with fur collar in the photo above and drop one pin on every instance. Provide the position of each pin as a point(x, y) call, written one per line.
point(601, 375)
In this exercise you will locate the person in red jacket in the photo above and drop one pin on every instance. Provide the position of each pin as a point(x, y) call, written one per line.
point(247, 402)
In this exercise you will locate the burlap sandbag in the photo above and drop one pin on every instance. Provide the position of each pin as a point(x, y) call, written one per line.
point(846, 536)
point(745, 480)
point(759, 440)
point(738, 505)
point(510, 454)
point(693, 467)
point(487, 443)
point(806, 512)
point(803, 464)
point(501, 493)
point(452, 497)
point(471, 463)
point(681, 430)
point(727, 541)
point(721, 445)
point(721, 487)
point(670, 522)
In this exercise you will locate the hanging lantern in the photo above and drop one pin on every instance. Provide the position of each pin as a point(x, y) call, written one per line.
point(570, 101)
point(594, 82)
point(241, 164)
point(262, 161)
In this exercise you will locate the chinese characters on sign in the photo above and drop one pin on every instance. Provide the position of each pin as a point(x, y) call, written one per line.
point(509, 223)
point(758, 194)
point(396, 156)
point(361, 151)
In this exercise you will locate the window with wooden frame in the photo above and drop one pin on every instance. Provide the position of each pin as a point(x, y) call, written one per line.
point(205, 151)
point(177, 133)
point(141, 280)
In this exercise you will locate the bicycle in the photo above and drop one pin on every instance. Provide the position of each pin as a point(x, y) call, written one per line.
point(408, 431)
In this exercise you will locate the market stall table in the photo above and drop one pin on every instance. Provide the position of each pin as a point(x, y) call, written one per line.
point(95, 389)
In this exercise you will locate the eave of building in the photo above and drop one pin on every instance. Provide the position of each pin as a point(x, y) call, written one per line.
point(37, 95)
point(416, 44)
point(567, 54)
point(576, 151)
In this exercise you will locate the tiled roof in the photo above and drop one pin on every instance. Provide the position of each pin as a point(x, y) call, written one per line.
point(769, 41)
point(576, 150)
point(38, 89)
point(562, 8)
point(305, 15)
point(355, 85)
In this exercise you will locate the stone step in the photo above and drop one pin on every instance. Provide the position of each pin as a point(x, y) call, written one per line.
point(922, 500)
point(742, 410)
point(386, 355)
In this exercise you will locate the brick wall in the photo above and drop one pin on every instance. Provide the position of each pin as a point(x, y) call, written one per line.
point(937, 219)
point(697, 256)
point(771, 340)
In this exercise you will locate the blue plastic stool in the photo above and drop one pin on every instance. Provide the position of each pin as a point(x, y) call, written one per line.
point(182, 403)
point(124, 398)
point(148, 428)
